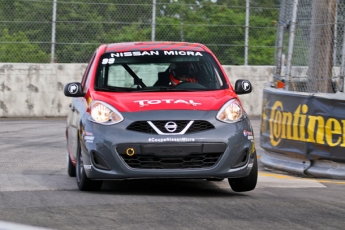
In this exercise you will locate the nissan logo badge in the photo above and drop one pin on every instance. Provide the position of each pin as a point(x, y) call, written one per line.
point(170, 126)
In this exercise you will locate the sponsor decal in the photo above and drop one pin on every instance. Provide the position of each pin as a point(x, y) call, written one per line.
point(88, 139)
point(87, 167)
point(86, 133)
point(300, 126)
point(183, 53)
point(149, 53)
point(171, 139)
point(250, 165)
point(87, 136)
point(167, 101)
point(134, 53)
point(246, 85)
point(247, 133)
point(73, 88)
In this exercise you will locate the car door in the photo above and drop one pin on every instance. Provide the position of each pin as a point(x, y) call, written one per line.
point(77, 106)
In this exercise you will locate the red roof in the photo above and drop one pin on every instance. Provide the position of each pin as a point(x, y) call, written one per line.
point(138, 46)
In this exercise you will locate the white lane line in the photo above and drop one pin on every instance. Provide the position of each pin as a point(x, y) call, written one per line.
point(14, 226)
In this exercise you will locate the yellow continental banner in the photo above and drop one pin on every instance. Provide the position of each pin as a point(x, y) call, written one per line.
point(300, 126)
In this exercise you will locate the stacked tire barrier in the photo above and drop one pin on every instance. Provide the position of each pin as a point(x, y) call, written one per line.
point(304, 133)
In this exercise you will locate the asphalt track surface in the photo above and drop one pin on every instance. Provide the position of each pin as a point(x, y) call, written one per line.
point(36, 191)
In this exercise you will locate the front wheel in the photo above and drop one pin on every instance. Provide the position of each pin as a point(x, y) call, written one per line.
point(70, 166)
point(248, 183)
point(83, 182)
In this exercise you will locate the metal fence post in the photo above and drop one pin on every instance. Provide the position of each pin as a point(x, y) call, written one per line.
point(291, 43)
point(53, 33)
point(153, 34)
point(246, 34)
point(335, 35)
point(342, 67)
point(281, 28)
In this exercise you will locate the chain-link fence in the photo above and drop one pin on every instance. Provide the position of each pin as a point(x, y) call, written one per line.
point(68, 31)
point(310, 46)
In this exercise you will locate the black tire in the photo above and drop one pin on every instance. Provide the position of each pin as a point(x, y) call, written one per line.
point(83, 182)
point(70, 166)
point(215, 179)
point(247, 183)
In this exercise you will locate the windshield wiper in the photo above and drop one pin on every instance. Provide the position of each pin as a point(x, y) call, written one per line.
point(112, 89)
point(187, 90)
point(167, 89)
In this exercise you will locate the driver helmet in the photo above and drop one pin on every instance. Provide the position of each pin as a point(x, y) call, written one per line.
point(180, 72)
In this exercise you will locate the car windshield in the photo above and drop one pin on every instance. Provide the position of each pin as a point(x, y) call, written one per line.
point(159, 70)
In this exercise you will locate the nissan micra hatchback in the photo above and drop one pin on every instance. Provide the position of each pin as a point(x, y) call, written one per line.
point(158, 110)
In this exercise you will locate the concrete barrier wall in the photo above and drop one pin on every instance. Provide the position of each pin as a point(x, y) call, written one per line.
point(259, 76)
point(36, 90)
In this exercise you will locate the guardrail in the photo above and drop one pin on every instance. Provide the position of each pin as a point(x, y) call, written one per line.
point(304, 133)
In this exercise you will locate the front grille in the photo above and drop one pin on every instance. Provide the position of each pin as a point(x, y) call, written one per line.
point(141, 126)
point(180, 125)
point(198, 126)
point(185, 162)
point(171, 155)
point(145, 127)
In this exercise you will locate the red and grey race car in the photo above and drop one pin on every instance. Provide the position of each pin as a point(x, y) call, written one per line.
point(158, 110)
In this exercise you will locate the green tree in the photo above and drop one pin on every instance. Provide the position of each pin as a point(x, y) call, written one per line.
point(221, 26)
point(83, 25)
point(18, 49)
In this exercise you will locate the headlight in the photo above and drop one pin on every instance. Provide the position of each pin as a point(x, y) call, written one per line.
point(104, 113)
point(231, 112)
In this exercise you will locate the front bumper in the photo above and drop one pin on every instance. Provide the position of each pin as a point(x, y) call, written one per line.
point(114, 152)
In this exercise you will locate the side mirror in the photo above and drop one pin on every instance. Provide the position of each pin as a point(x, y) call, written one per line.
point(243, 86)
point(73, 89)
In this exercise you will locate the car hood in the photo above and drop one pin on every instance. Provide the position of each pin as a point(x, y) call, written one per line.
point(144, 101)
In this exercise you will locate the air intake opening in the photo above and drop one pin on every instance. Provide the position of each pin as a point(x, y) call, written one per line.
point(98, 161)
point(241, 159)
